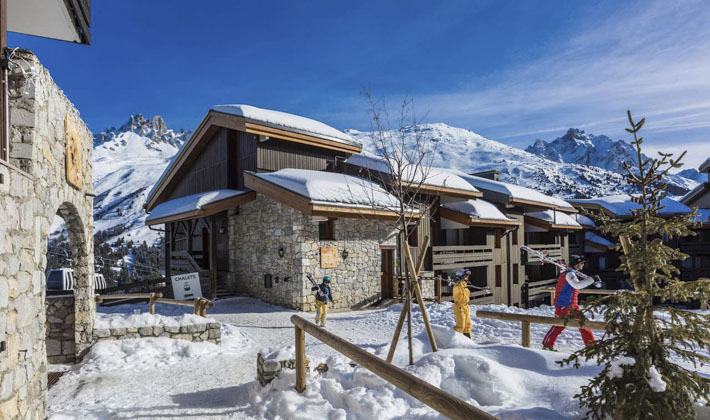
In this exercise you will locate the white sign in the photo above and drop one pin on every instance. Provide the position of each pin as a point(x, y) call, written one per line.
point(186, 286)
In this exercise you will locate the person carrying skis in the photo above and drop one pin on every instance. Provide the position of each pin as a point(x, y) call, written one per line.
point(323, 295)
point(566, 295)
point(462, 312)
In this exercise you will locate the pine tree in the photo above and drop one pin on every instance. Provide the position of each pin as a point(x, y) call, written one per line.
point(639, 380)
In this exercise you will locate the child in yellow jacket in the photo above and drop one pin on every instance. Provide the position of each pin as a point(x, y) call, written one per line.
point(462, 312)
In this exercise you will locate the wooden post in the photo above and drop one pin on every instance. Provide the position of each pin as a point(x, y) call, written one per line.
point(438, 292)
point(213, 258)
point(203, 307)
point(151, 303)
point(526, 333)
point(418, 294)
point(197, 306)
point(397, 332)
point(300, 360)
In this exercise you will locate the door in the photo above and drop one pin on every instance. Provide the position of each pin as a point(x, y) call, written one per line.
point(387, 277)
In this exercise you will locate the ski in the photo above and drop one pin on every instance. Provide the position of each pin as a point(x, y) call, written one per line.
point(546, 259)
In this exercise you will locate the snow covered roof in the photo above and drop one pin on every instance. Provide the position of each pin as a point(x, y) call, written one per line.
point(595, 243)
point(442, 179)
point(585, 221)
point(553, 219)
point(196, 205)
point(621, 205)
point(517, 194)
point(315, 192)
point(477, 211)
point(290, 122)
point(691, 196)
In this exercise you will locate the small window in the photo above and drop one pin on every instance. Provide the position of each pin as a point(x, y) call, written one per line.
point(326, 230)
point(515, 237)
point(498, 235)
point(499, 275)
point(516, 274)
point(562, 239)
point(413, 235)
point(602, 263)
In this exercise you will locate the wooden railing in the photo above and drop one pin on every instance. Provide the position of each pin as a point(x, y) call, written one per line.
point(477, 297)
point(460, 256)
point(525, 321)
point(539, 287)
point(552, 291)
point(553, 250)
point(200, 304)
point(148, 285)
point(441, 401)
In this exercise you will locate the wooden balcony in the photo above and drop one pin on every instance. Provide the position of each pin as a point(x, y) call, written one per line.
point(461, 256)
point(553, 250)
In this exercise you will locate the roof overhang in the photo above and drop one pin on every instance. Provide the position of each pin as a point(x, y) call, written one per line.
point(595, 245)
point(549, 226)
point(695, 194)
point(465, 219)
point(307, 207)
point(207, 210)
point(65, 20)
point(442, 190)
point(209, 125)
point(536, 204)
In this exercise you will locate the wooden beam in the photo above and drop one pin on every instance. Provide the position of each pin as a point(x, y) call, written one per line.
point(539, 319)
point(213, 258)
point(300, 339)
point(324, 143)
point(442, 190)
point(208, 210)
point(397, 330)
point(443, 402)
point(470, 221)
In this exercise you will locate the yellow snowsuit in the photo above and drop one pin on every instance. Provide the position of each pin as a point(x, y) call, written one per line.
point(462, 312)
point(321, 309)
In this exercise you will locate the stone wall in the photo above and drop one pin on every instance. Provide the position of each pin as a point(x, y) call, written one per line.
point(209, 331)
point(59, 329)
point(260, 228)
point(33, 188)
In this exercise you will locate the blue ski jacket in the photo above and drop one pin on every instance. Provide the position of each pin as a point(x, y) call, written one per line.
point(324, 295)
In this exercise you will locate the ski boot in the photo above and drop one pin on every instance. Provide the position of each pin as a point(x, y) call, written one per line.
point(468, 335)
point(547, 348)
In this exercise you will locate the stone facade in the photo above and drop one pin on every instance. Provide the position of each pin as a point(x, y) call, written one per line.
point(209, 331)
point(59, 329)
point(33, 188)
point(259, 229)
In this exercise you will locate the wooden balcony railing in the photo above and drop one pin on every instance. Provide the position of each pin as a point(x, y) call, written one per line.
point(553, 250)
point(460, 256)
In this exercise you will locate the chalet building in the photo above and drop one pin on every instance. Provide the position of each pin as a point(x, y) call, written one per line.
point(246, 204)
point(603, 260)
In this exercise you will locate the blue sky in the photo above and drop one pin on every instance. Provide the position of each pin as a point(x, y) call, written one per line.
point(512, 71)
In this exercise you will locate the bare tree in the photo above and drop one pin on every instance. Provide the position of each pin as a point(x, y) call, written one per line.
point(403, 169)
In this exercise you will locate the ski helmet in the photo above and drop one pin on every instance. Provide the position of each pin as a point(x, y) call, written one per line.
point(463, 272)
point(326, 279)
point(576, 259)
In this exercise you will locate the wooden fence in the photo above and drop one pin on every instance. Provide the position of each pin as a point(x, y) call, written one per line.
point(443, 402)
point(200, 304)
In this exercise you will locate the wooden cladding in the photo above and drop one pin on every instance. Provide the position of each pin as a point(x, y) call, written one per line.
point(208, 172)
point(275, 154)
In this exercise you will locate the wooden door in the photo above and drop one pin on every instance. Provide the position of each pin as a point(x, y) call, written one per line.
point(387, 278)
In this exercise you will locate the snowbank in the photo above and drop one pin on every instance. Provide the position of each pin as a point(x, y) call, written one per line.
point(127, 320)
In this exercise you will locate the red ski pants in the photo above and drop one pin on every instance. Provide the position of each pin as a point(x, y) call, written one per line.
point(554, 332)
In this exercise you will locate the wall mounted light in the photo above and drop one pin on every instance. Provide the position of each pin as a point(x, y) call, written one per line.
point(345, 254)
point(281, 252)
point(222, 230)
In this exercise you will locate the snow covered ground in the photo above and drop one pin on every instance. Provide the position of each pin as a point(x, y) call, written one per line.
point(163, 378)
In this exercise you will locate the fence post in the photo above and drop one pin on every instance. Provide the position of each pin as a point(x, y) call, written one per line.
point(526, 333)
point(197, 306)
point(203, 307)
point(300, 360)
point(151, 303)
point(438, 293)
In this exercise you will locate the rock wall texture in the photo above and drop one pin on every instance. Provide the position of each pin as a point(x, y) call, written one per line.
point(259, 229)
point(59, 329)
point(209, 331)
point(33, 188)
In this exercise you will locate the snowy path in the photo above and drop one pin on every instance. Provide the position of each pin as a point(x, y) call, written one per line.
point(163, 378)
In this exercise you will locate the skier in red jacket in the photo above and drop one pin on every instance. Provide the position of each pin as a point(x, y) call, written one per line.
point(566, 294)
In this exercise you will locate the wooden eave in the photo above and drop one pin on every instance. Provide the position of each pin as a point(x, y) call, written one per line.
point(549, 226)
point(207, 210)
point(209, 126)
point(439, 190)
point(467, 220)
point(524, 203)
point(305, 206)
point(696, 194)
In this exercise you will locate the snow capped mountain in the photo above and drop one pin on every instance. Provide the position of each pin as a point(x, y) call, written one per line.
point(467, 151)
point(127, 162)
point(579, 147)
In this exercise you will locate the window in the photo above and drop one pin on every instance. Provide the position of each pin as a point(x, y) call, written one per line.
point(477, 236)
point(499, 276)
point(602, 263)
point(515, 237)
point(562, 239)
point(413, 235)
point(497, 238)
point(516, 274)
point(326, 231)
